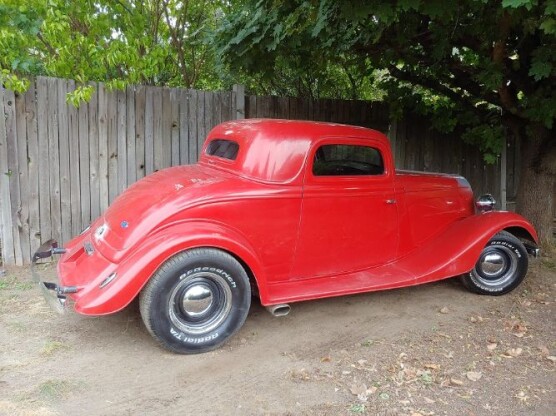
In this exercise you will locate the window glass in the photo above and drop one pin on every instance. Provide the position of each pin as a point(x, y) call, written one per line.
point(347, 160)
point(226, 149)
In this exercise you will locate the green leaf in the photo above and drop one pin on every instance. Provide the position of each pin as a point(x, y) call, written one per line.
point(514, 4)
point(550, 8)
point(540, 69)
point(549, 26)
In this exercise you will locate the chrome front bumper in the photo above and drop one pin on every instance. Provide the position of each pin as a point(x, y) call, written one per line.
point(54, 294)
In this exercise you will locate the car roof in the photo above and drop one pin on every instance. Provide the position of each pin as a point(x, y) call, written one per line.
point(274, 150)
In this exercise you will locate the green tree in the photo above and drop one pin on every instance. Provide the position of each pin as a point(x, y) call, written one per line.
point(155, 42)
point(485, 66)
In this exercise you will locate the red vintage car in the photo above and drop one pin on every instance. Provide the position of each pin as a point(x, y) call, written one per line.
point(287, 211)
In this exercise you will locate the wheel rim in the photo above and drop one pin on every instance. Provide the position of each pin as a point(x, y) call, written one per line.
point(200, 302)
point(496, 266)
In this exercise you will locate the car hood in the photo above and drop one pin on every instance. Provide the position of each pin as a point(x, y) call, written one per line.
point(150, 201)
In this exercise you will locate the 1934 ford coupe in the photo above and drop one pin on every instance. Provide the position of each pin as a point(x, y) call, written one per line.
point(288, 211)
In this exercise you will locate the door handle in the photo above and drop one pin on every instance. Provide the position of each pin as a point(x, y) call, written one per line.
point(390, 201)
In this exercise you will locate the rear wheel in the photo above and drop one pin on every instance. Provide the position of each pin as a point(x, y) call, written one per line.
point(196, 300)
point(501, 267)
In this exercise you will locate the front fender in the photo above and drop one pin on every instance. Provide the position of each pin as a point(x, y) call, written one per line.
point(456, 250)
point(136, 268)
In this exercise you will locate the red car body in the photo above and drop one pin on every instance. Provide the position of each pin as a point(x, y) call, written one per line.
point(299, 235)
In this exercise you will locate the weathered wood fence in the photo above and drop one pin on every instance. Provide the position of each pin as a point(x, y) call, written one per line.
point(61, 166)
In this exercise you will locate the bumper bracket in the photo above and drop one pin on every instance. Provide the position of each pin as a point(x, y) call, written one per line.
point(55, 294)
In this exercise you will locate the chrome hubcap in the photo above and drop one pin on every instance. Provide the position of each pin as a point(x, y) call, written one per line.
point(492, 264)
point(197, 300)
point(496, 266)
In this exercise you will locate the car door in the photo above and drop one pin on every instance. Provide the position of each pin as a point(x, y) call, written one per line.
point(349, 212)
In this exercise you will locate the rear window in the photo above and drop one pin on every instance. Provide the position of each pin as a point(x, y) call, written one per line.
point(347, 160)
point(226, 149)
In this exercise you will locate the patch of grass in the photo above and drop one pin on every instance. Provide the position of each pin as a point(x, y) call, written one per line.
point(357, 408)
point(426, 378)
point(16, 326)
point(13, 283)
point(52, 346)
point(55, 389)
point(549, 264)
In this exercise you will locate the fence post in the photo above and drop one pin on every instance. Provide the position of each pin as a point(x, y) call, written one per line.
point(240, 101)
point(503, 167)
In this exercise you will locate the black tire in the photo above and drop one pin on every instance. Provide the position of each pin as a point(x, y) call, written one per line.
point(501, 267)
point(196, 300)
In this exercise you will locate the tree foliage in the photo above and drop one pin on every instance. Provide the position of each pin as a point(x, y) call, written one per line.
point(160, 42)
point(486, 68)
point(462, 63)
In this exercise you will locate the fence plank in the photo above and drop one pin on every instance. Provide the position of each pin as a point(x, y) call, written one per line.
point(64, 154)
point(165, 139)
point(8, 254)
point(13, 171)
point(239, 91)
point(149, 130)
point(251, 106)
point(158, 141)
point(121, 159)
point(24, 192)
point(184, 126)
point(94, 153)
point(175, 126)
point(140, 104)
point(226, 106)
point(217, 108)
point(84, 166)
point(192, 123)
point(112, 145)
point(44, 159)
point(103, 147)
point(201, 128)
point(209, 113)
point(33, 166)
point(75, 176)
point(130, 136)
point(54, 156)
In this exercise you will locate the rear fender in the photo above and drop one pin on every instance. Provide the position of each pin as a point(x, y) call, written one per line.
point(456, 250)
point(135, 269)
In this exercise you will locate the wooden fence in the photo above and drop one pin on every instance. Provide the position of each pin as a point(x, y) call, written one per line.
point(61, 166)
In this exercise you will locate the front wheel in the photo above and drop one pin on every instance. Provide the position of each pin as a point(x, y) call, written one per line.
point(501, 267)
point(196, 300)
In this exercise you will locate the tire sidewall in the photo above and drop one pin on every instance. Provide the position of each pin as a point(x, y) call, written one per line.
point(176, 338)
point(516, 247)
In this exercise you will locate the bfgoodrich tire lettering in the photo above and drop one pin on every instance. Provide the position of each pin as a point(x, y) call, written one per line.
point(196, 300)
point(501, 267)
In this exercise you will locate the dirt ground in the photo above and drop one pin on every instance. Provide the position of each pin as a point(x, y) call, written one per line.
point(429, 350)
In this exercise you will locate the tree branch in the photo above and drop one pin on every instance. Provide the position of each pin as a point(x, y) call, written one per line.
point(435, 85)
point(47, 44)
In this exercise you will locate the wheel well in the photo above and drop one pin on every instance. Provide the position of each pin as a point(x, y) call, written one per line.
point(250, 274)
point(521, 233)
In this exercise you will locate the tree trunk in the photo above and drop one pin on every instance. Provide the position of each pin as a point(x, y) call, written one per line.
point(535, 198)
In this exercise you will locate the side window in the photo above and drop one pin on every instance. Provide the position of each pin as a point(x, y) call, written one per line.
point(347, 160)
point(226, 149)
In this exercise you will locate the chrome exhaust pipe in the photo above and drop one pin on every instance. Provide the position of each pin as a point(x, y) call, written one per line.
point(532, 250)
point(279, 310)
